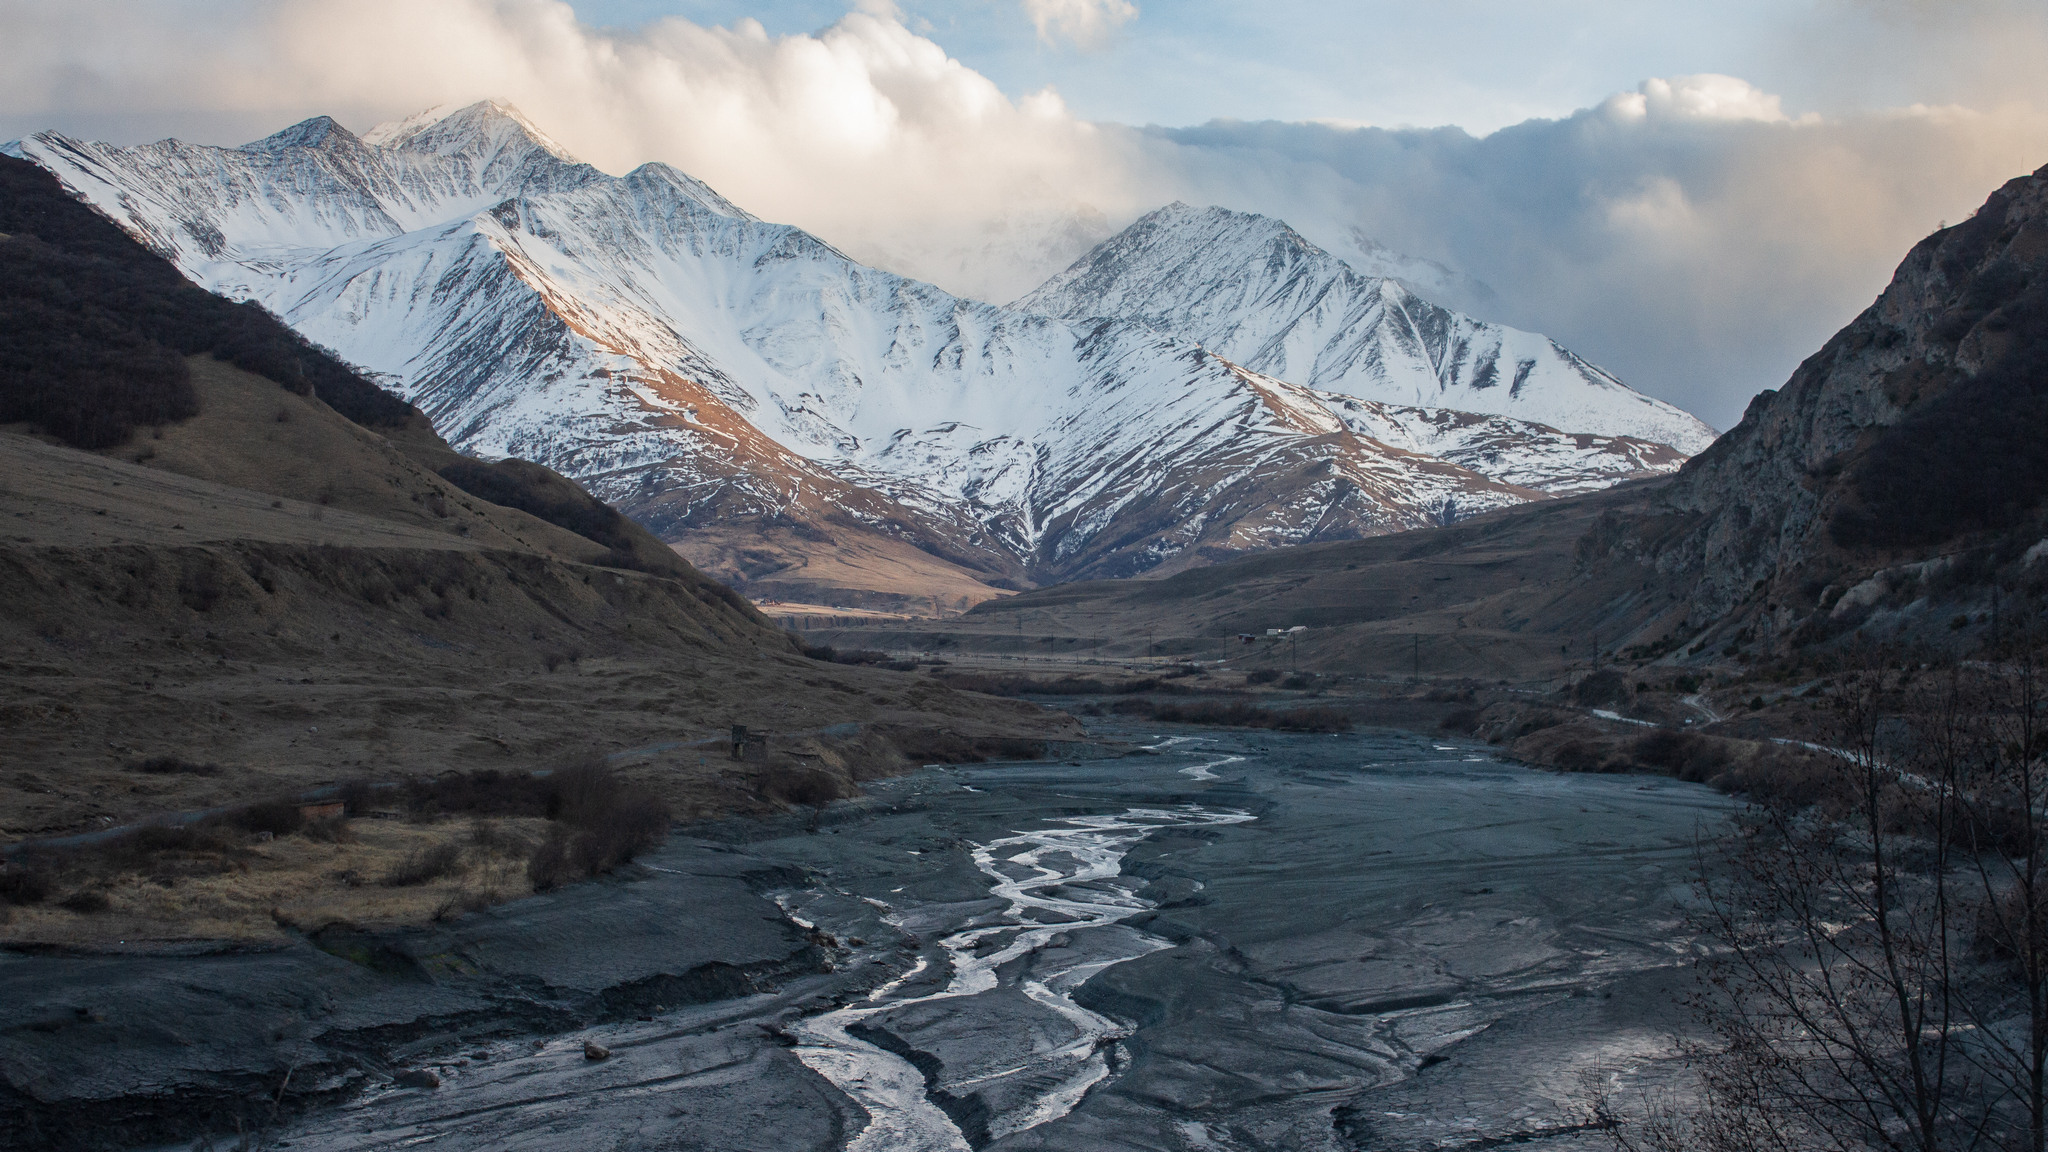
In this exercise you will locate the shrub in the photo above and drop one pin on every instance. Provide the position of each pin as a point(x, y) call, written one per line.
point(166, 850)
point(994, 684)
point(331, 830)
point(425, 865)
point(88, 901)
point(277, 817)
point(807, 787)
point(1462, 720)
point(1311, 720)
point(485, 792)
point(357, 797)
point(540, 492)
point(1686, 755)
point(1238, 714)
point(549, 865)
point(169, 765)
point(490, 837)
point(601, 822)
point(942, 746)
point(1606, 686)
point(1585, 756)
point(20, 884)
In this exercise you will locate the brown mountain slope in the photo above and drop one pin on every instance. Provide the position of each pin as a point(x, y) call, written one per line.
point(252, 579)
point(294, 642)
point(1503, 595)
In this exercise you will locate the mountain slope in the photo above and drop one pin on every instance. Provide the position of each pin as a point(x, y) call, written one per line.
point(1915, 434)
point(722, 379)
point(1894, 491)
point(262, 583)
point(1251, 289)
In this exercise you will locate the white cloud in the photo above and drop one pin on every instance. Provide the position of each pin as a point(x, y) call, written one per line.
point(1703, 97)
point(1087, 23)
point(864, 132)
point(1687, 234)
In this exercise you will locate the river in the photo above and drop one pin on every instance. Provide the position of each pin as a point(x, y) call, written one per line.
point(1232, 941)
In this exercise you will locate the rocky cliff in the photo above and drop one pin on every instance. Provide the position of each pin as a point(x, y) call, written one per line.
point(1915, 433)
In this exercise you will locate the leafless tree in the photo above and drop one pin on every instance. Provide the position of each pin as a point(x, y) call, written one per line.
point(1879, 976)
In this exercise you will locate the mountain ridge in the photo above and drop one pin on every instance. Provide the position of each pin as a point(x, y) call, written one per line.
point(1890, 497)
point(1313, 319)
point(708, 372)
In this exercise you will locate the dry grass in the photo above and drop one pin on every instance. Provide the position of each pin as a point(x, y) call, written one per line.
point(295, 882)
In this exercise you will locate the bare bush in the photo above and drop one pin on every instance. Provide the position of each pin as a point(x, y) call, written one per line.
point(601, 822)
point(88, 902)
point(803, 787)
point(425, 865)
point(1883, 980)
point(329, 830)
point(174, 765)
point(21, 884)
point(1237, 714)
point(277, 817)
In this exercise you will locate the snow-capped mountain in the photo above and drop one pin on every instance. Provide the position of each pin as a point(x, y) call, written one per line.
point(1254, 291)
point(800, 423)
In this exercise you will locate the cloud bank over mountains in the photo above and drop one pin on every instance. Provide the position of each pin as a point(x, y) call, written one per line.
point(1693, 235)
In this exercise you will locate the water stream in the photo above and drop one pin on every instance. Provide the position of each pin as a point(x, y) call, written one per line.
point(1071, 874)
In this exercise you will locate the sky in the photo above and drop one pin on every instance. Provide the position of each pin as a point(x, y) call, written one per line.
point(1692, 195)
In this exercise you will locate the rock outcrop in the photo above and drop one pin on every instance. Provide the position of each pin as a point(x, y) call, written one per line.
point(1915, 430)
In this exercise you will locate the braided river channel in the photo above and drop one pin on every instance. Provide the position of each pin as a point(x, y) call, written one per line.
point(1226, 941)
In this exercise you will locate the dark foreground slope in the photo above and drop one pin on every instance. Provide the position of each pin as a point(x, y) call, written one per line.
point(1893, 489)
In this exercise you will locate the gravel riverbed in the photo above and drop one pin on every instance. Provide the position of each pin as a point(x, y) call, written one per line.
point(1232, 940)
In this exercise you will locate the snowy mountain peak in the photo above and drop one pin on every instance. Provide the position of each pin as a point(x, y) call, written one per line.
point(1253, 290)
point(317, 132)
point(687, 187)
point(482, 131)
point(1177, 256)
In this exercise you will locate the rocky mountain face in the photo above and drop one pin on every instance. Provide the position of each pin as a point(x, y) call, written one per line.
point(1908, 449)
point(806, 426)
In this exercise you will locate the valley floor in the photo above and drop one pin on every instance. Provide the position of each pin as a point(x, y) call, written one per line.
point(1228, 940)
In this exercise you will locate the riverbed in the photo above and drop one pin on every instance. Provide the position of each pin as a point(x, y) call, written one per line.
point(1231, 940)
